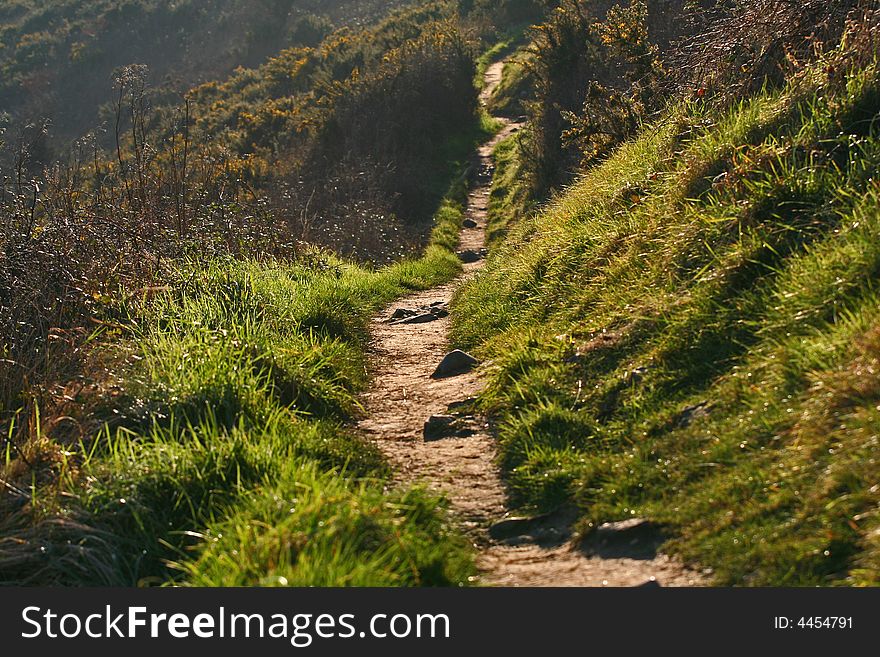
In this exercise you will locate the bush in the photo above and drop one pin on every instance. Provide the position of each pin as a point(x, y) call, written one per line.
point(736, 48)
point(689, 333)
point(396, 120)
point(594, 81)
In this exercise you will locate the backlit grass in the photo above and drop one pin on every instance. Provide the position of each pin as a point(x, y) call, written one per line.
point(690, 334)
point(228, 458)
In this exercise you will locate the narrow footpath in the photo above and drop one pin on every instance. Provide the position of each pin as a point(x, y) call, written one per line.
point(456, 455)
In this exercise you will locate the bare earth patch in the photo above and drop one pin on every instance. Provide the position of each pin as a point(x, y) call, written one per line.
point(403, 396)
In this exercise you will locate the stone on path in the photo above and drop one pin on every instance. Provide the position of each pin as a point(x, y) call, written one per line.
point(635, 538)
point(470, 223)
point(403, 313)
point(455, 363)
point(423, 315)
point(470, 256)
point(420, 319)
point(510, 528)
point(438, 427)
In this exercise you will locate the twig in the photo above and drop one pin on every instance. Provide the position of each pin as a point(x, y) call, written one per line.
point(15, 490)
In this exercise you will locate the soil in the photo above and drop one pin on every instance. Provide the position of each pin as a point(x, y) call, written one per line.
point(403, 396)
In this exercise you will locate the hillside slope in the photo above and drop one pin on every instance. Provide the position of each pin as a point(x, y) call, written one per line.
point(691, 332)
point(179, 368)
point(57, 58)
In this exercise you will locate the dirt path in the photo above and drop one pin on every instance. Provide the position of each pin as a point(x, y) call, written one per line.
point(404, 396)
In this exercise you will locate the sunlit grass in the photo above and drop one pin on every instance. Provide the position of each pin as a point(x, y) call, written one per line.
point(689, 333)
point(229, 458)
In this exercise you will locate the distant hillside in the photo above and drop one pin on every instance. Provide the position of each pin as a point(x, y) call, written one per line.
point(57, 57)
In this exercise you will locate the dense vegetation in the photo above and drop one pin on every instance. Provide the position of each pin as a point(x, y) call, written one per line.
point(224, 458)
point(689, 331)
point(178, 364)
point(100, 227)
point(57, 57)
point(679, 308)
point(354, 134)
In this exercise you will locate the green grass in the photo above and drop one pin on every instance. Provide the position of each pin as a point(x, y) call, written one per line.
point(691, 333)
point(317, 530)
point(506, 45)
point(509, 195)
point(228, 457)
point(516, 86)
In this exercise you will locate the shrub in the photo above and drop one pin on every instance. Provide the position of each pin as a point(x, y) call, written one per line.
point(594, 82)
point(736, 48)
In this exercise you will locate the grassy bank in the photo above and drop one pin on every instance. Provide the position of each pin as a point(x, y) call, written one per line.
point(690, 333)
point(228, 457)
point(509, 195)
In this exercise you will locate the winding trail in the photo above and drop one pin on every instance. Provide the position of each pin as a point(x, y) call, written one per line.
point(403, 397)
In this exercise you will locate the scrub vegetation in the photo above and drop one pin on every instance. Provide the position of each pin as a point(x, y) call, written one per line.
point(204, 203)
point(182, 354)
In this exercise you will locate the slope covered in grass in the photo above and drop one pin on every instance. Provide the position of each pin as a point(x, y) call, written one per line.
point(691, 333)
point(181, 360)
point(227, 457)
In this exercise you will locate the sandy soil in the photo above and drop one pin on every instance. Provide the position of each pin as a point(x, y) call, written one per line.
point(403, 396)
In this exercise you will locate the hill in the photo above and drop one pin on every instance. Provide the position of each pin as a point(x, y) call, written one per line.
point(58, 58)
point(688, 331)
point(177, 355)
point(675, 322)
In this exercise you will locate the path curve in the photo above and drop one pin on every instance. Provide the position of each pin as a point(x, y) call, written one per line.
point(464, 469)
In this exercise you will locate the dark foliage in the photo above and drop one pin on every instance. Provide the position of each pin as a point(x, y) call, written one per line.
point(735, 48)
point(595, 64)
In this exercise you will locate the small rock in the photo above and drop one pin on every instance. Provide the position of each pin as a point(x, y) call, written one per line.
point(625, 528)
point(470, 256)
point(402, 313)
point(635, 538)
point(423, 315)
point(470, 223)
point(419, 319)
point(510, 528)
point(455, 363)
point(538, 529)
point(439, 426)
